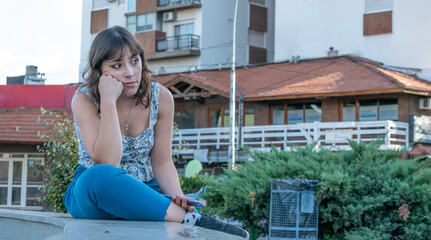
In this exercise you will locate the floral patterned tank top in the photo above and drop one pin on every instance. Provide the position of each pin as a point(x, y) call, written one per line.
point(136, 159)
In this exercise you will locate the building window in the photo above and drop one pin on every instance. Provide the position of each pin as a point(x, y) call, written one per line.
point(313, 112)
point(388, 109)
point(296, 113)
point(183, 29)
point(121, 2)
point(131, 6)
point(183, 38)
point(219, 117)
point(278, 114)
point(99, 4)
point(185, 118)
point(20, 179)
point(146, 22)
point(249, 116)
point(369, 110)
point(372, 6)
point(349, 111)
point(256, 38)
point(131, 24)
point(258, 2)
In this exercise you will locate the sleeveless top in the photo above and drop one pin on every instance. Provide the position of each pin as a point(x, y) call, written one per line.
point(136, 159)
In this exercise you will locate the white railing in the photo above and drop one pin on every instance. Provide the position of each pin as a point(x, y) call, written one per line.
point(326, 134)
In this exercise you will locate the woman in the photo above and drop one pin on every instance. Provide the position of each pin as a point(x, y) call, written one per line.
point(124, 129)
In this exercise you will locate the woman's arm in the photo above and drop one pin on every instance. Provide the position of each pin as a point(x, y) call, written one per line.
point(101, 137)
point(161, 155)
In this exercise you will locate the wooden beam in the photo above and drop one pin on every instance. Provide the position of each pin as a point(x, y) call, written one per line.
point(188, 89)
point(175, 90)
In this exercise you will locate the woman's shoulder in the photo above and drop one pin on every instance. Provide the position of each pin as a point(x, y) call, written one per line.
point(165, 95)
point(162, 97)
point(82, 98)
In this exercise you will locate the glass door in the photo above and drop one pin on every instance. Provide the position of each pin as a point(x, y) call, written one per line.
point(4, 179)
point(20, 179)
point(16, 182)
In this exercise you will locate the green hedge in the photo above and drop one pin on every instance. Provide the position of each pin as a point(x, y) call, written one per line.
point(363, 194)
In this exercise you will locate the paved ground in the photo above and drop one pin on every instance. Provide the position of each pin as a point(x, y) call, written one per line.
point(17, 224)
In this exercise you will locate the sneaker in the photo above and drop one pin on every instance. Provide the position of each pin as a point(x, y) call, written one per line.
point(214, 224)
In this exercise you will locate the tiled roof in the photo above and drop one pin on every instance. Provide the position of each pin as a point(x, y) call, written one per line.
point(339, 76)
point(21, 126)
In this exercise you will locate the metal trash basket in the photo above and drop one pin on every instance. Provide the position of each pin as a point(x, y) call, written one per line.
point(293, 214)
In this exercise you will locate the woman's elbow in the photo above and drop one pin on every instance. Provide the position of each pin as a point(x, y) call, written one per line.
point(112, 159)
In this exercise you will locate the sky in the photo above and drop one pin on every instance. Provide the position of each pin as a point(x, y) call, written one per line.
point(44, 33)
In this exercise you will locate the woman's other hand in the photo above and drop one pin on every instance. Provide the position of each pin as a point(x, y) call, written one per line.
point(109, 88)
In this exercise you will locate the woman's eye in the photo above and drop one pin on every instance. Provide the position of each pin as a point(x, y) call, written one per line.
point(116, 66)
point(135, 61)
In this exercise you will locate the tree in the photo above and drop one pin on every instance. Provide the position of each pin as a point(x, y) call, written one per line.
point(61, 149)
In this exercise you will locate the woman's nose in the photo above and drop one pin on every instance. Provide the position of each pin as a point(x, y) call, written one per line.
point(128, 70)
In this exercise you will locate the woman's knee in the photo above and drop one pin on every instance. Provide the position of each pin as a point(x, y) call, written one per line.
point(101, 174)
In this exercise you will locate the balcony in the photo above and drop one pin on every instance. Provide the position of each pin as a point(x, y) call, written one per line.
point(177, 46)
point(167, 5)
point(332, 135)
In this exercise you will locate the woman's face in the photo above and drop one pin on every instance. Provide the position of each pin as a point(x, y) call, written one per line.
point(127, 70)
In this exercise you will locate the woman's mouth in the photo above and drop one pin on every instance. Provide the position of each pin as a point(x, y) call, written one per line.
point(130, 84)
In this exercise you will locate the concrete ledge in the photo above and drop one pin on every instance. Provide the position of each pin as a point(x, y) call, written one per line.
point(19, 224)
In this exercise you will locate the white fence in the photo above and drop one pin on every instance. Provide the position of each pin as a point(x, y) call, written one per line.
point(325, 134)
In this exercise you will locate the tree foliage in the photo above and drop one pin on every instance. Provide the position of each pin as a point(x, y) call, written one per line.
point(364, 193)
point(61, 149)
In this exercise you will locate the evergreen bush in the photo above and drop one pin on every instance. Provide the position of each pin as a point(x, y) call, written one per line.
point(196, 182)
point(364, 193)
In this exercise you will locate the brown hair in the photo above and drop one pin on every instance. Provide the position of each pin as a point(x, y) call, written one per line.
point(106, 46)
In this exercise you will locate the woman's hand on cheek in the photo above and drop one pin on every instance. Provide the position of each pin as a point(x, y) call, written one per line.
point(110, 87)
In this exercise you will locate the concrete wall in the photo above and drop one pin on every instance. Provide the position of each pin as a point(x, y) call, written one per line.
point(86, 38)
point(309, 27)
point(29, 225)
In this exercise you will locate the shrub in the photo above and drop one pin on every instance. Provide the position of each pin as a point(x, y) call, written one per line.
point(61, 151)
point(364, 193)
point(196, 182)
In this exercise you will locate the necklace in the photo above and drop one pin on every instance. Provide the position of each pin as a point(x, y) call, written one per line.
point(130, 118)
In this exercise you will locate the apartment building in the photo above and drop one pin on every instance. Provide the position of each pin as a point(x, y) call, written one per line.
point(186, 35)
point(394, 32)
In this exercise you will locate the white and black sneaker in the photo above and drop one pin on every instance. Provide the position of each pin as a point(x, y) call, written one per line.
point(214, 224)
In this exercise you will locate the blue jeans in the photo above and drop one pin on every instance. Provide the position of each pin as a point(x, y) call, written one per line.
point(107, 192)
